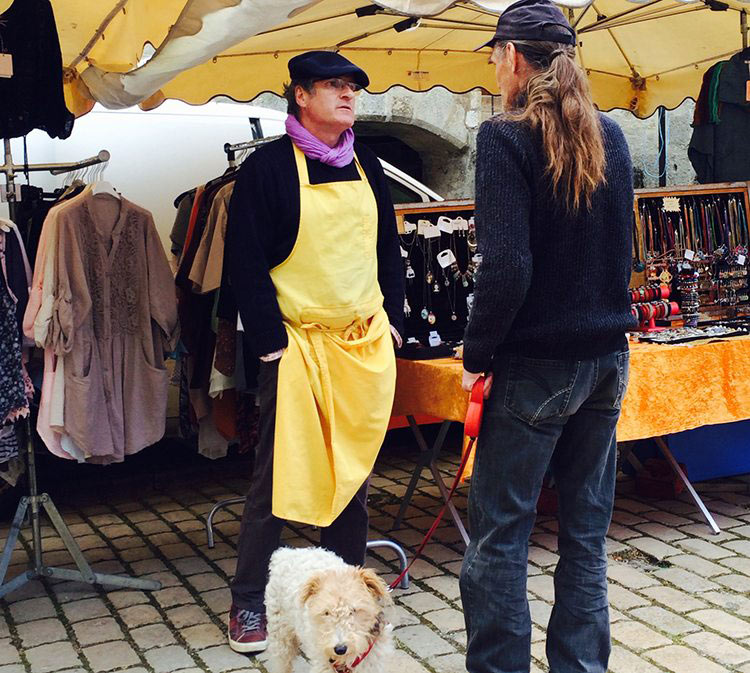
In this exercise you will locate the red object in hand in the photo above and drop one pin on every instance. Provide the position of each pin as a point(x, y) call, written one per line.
point(476, 406)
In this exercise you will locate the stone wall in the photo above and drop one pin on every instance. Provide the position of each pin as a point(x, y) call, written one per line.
point(643, 138)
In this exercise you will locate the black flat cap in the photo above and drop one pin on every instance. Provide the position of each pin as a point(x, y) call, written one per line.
point(325, 64)
point(533, 21)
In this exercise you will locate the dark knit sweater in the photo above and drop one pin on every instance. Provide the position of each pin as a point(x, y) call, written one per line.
point(551, 284)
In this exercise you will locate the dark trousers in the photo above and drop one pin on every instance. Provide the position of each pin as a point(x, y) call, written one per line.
point(561, 415)
point(260, 535)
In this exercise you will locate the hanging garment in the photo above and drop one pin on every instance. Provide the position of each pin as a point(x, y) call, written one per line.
point(50, 421)
point(114, 317)
point(720, 147)
point(16, 270)
point(206, 270)
point(177, 236)
point(38, 313)
point(337, 376)
point(13, 381)
point(16, 278)
point(33, 97)
point(8, 443)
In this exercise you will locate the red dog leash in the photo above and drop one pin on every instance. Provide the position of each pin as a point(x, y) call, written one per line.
point(472, 424)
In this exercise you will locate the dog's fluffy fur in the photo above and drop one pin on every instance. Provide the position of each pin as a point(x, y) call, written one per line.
point(316, 603)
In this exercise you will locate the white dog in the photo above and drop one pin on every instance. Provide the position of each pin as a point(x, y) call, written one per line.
point(331, 611)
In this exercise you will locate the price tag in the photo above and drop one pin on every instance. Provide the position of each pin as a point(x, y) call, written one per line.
point(689, 255)
point(445, 258)
point(409, 227)
point(431, 231)
point(6, 65)
point(460, 224)
point(671, 204)
point(445, 224)
point(422, 225)
point(741, 259)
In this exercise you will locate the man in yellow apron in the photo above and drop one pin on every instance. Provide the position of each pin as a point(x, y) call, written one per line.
point(314, 261)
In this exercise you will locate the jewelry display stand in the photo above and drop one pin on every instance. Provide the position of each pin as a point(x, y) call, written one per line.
point(697, 238)
point(729, 293)
point(32, 505)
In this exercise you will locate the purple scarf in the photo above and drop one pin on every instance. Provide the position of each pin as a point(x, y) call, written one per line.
point(314, 148)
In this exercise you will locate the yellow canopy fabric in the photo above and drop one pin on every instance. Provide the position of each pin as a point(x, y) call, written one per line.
point(638, 55)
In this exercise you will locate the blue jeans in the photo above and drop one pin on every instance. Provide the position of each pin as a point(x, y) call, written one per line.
point(543, 414)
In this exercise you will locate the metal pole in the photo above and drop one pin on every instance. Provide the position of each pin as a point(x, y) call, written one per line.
point(662, 147)
point(10, 180)
point(743, 27)
point(36, 523)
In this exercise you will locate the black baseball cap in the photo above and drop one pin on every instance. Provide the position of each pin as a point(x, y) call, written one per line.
point(534, 21)
point(325, 64)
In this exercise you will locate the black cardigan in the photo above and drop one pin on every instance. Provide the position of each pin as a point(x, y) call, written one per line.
point(262, 229)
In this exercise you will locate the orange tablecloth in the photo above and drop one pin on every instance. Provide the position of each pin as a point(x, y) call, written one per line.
point(672, 388)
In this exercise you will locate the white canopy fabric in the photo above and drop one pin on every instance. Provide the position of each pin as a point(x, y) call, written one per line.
point(638, 55)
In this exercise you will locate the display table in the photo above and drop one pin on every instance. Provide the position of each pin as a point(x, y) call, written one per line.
point(671, 389)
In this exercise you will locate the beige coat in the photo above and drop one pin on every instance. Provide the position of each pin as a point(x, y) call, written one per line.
point(114, 316)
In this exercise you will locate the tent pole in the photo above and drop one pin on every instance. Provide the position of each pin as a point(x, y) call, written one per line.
point(662, 146)
point(743, 28)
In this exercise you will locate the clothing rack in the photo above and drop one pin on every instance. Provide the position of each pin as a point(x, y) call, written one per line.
point(35, 501)
point(231, 150)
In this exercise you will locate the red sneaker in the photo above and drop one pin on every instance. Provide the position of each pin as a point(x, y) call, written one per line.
point(248, 633)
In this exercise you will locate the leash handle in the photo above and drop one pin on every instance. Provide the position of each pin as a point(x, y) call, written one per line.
point(473, 422)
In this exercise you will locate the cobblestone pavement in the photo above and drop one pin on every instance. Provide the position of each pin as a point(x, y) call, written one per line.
point(679, 594)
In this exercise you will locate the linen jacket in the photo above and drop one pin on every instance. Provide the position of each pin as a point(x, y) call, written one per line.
point(114, 316)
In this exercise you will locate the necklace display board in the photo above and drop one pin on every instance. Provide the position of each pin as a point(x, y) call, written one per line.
point(439, 250)
point(693, 239)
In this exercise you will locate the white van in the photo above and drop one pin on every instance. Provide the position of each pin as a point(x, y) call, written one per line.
point(159, 154)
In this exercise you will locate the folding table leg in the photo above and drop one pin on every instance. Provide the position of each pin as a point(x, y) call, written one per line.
point(693, 493)
point(451, 507)
point(426, 456)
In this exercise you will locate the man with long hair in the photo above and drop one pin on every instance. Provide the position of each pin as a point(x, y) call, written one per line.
point(554, 198)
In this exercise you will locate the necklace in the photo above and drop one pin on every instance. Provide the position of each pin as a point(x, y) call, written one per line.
point(409, 271)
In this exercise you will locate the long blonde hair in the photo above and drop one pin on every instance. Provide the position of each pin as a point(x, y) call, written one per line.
point(557, 102)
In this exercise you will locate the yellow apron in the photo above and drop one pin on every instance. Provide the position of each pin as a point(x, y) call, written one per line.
point(338, 375)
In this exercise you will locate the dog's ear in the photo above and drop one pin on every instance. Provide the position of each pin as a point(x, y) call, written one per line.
point(374, 584)
point(311, 587)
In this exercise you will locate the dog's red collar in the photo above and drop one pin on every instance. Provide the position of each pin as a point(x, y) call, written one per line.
point(356, 662)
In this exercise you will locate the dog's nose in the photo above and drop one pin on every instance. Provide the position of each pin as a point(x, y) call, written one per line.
point(340, 649)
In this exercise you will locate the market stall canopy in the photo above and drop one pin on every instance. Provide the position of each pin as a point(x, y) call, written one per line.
point(638, 55)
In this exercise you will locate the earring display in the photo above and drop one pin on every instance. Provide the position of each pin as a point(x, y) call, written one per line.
point(440, 253)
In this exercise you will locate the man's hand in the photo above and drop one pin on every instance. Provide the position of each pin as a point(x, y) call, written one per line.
point(271, 357)
point(397, 340)
point(469, 379)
